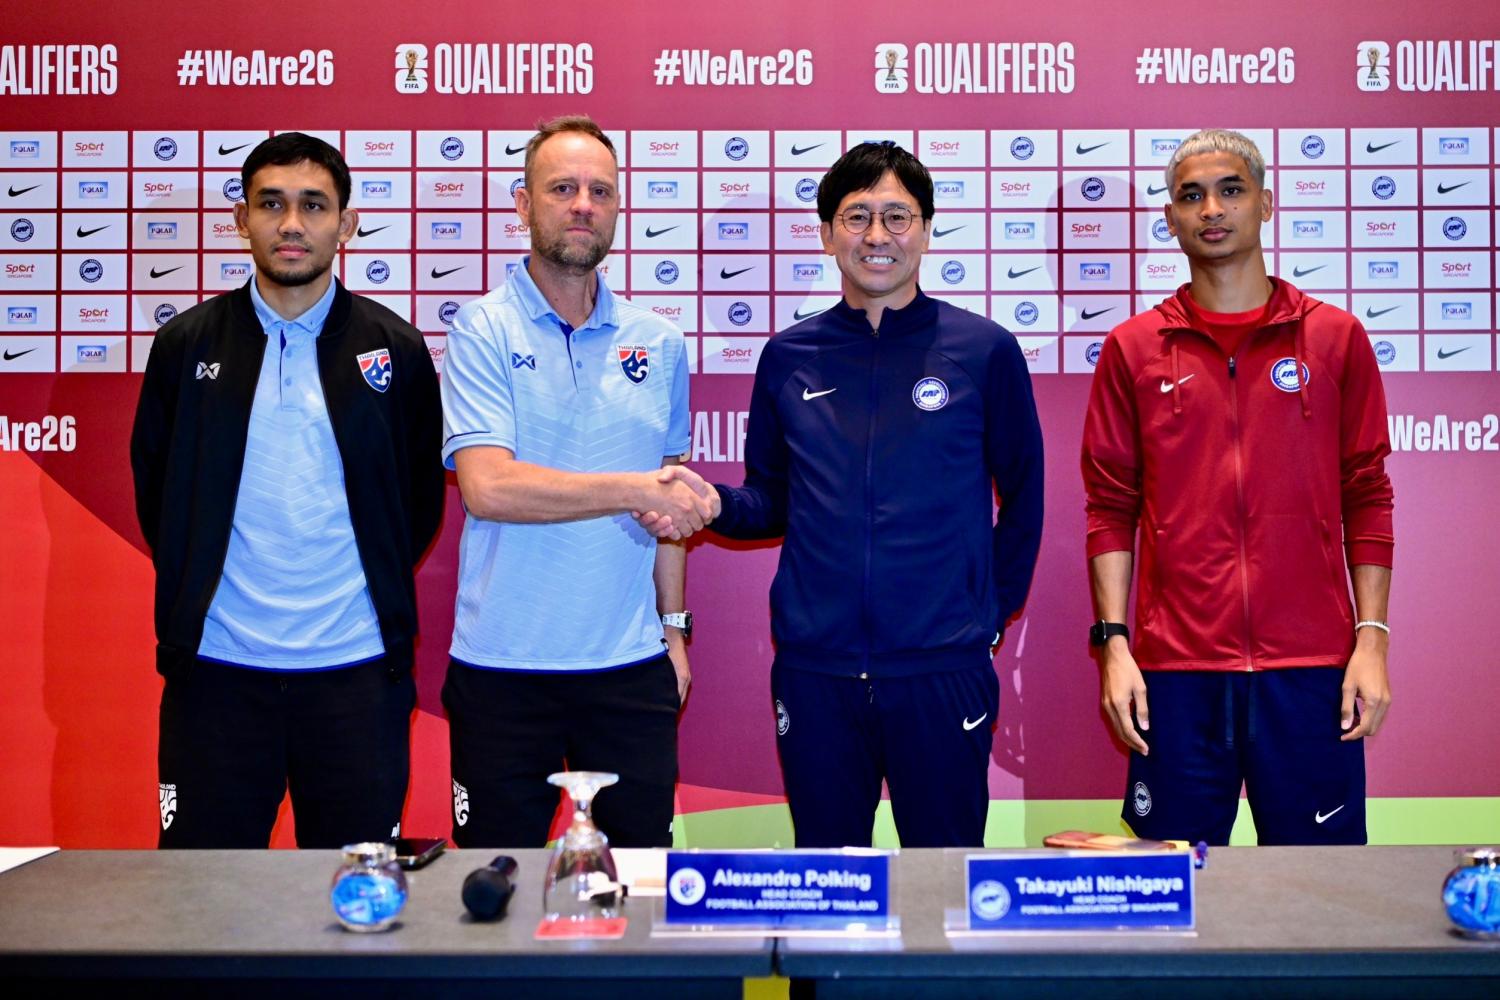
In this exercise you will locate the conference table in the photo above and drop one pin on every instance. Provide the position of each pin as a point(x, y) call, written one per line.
point(1323, 922)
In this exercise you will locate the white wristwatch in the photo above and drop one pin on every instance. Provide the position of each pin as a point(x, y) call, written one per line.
point(680, 620)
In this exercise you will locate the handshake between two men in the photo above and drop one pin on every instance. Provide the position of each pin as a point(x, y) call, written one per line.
point(677, 503)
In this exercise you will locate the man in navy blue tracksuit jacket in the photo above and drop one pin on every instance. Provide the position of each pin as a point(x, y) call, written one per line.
point(880, 433)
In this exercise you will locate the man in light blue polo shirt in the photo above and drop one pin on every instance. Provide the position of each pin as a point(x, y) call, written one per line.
point(562, 403)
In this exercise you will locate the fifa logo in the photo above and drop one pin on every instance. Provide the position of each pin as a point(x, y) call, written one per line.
point(1373, 62)
point(890, 68)
point(411, 69)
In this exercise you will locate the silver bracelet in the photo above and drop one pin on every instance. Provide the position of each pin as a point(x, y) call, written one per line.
point(1373, 624)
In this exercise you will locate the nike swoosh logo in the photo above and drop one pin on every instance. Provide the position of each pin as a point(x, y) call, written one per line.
point(970, 725)
point(162, 274)
point(1300, 272)
point(83, 233)
point(1372, 313)
point(443, 274)
point(1445, 355)
point(232, 149)
point(16, 194)
point(799, 315)
point(1097, 312)
point(652, 234)
point(1166, 384)
point(1155, 190)
point(1083, 150)
point(726, 273)
point(513, 150)
point(1013, 273)
point(371, 232)
point(1322, 817)
point(1445, 188)
point(938, 234)
point(13, 355)
point(799, 150)
point(809, 394)
point(1370, 147)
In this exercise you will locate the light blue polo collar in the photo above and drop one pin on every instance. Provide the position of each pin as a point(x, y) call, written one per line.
point(538, 308)
point(310, 322)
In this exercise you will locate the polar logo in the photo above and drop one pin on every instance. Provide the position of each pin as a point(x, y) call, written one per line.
point(687, 886)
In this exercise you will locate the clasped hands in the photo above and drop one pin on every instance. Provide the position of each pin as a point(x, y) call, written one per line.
point(677, 503)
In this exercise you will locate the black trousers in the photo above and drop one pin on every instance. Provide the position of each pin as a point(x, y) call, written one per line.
point(509, 729)
point(233, 740)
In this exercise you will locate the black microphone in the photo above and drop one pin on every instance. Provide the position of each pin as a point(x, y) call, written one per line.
point(487, 891)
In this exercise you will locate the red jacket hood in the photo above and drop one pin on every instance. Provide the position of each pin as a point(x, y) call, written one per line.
point(1287, 304)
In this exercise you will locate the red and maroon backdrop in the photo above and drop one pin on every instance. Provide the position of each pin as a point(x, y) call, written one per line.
point(122, 128)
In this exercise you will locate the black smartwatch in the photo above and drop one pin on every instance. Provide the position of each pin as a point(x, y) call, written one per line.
point(1102, 631)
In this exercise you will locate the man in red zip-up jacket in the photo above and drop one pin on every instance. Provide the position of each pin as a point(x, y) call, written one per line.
point(1241, 426)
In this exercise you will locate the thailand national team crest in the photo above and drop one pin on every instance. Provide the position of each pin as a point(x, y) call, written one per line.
point(635, 362)
point(1284, 375)
point(375, 366)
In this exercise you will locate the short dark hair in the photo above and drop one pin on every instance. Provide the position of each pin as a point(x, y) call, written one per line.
point(298, 147)
point(863, 166)
point(565, 123)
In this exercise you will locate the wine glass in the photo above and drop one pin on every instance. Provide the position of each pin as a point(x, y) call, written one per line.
point(582, 882)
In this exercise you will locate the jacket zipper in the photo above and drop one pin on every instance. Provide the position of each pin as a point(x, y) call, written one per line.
point(1239, 492)
point(869, 509)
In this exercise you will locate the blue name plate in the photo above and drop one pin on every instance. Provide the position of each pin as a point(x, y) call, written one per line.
point(789, 889)
point(1084, 891)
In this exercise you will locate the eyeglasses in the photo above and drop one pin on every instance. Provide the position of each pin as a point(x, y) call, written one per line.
point(895, 220)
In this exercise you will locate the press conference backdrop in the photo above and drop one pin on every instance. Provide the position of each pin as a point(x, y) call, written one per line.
point(1045, 126)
